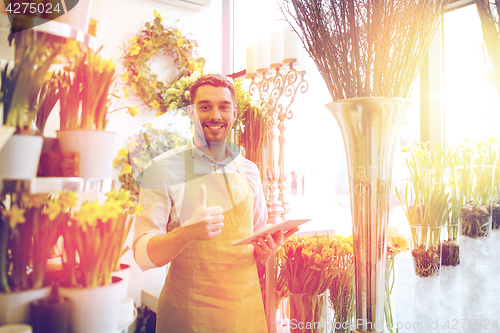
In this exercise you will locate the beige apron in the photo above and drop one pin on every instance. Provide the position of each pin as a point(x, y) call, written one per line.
point(212, 286)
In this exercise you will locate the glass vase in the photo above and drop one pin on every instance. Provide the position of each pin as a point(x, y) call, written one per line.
point(425, 246)
point(390, 297)
point(309, 313)
point(369, 127)
point(342, 300)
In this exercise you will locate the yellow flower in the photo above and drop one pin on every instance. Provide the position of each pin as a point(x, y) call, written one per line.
point(133, 110)
point(127, 168)
point(155, 104)
point(68, 200)
point(145, 42)
point(123, 152)
point(134, 49)
point(153, 84)
point(110, 211)
point(178, 33)
point(16, 215)
point(399, 243)
point(53, 210)
point(136, 210)
point(125, 76)
point(147, 125)
point(87, 215)
point(116, 162)
point(125, 92)
point(158, 15)
point(136, 77)
point(180, 42)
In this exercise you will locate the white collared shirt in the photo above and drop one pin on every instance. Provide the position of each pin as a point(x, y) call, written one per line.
point(162, 194)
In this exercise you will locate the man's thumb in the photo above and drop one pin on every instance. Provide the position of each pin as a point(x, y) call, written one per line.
point(202, 197)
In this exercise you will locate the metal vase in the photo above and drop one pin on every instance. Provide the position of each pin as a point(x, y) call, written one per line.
point(369, 126)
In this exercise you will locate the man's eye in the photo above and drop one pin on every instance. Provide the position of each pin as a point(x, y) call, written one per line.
point(205, 107)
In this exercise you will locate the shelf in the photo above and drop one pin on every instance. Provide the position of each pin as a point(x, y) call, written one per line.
point(58, 184)
point(54, 28)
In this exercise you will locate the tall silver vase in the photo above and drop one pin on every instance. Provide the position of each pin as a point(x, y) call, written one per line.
point(370, 126)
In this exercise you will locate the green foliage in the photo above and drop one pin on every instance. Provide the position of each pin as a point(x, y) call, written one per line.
point(143, 147)
point(22, 85)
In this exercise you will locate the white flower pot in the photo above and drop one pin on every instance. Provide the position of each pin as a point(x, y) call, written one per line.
point(96, 148)
point(124, 274)
point(20, 156)
point(78, 16)
point(15, 306)
point(95, 309)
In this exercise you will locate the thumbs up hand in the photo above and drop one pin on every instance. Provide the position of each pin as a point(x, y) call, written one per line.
point(206, 222)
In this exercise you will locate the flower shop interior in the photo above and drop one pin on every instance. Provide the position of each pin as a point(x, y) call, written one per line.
point(374, 122)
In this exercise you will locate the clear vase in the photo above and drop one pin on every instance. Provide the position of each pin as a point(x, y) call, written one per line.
point(425, 246)
point(369, 126)
point(309, 313)
point(342, 300)
point(390, 309)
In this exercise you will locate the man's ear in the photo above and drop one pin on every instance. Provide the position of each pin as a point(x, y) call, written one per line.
point(191, 110)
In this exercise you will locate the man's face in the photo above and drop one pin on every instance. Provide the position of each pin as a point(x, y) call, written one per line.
point(216, 113)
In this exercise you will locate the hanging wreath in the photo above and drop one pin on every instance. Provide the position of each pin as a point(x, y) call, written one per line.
point(140, 50)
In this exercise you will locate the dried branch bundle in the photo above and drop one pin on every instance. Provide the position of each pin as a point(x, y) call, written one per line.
point(366, 48)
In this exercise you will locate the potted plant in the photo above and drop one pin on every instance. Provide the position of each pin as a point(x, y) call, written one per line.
point(94, 239)
point(426, 206)
point(30, 228)
point(84, 99)
point(27, 96)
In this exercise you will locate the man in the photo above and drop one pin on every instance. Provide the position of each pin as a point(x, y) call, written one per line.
point(198, 200)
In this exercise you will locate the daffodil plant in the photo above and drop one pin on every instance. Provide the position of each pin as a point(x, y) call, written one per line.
point(84, 92)
point(30, 226)
point(427, 204)
point(94, 238)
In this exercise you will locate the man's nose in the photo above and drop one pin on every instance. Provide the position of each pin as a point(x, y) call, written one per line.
point(215, 114)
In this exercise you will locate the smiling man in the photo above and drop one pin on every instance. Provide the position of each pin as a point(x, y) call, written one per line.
point(198, 200)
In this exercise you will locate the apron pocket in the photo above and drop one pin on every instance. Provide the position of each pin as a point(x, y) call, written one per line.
point(226, 301)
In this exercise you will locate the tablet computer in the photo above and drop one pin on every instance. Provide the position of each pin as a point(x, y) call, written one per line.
point(285, 226)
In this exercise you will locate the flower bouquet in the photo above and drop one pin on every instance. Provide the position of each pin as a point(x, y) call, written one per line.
point(309, 266)
point(396, 243)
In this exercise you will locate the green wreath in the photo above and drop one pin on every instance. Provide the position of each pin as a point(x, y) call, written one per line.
point(156, 39)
